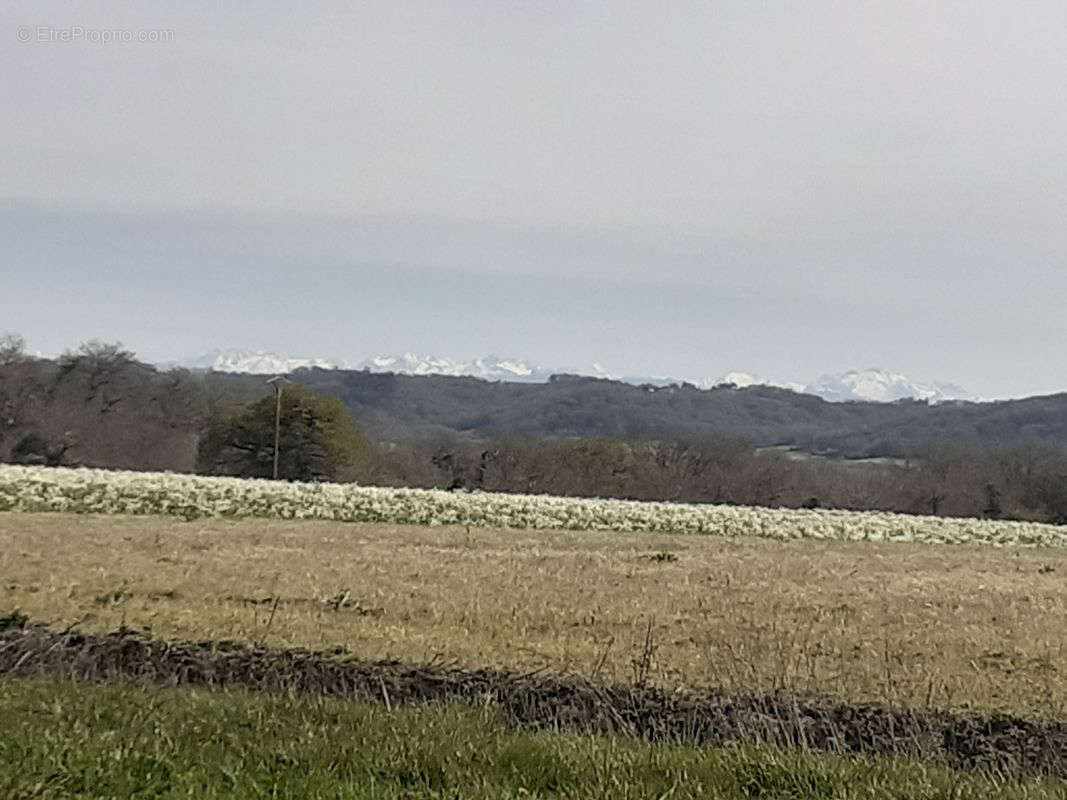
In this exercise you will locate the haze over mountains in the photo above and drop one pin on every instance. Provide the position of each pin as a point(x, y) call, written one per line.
point(872, 385)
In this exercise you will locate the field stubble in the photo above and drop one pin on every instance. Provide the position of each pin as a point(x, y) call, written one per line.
point(961, 627)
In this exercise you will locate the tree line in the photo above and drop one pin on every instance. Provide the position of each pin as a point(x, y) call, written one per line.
point(1028, 483)
point(320, 441)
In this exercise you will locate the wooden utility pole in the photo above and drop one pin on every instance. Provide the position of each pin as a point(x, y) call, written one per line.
point(278, 381)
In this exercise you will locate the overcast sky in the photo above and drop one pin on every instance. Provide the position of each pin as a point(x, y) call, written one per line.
point(663, 188)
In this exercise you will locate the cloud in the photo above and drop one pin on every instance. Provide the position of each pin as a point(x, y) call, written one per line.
point(867, 183)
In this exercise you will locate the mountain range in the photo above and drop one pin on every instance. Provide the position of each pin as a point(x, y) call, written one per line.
point(870, 385)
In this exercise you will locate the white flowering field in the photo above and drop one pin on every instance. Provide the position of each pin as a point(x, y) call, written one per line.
point(189, 496)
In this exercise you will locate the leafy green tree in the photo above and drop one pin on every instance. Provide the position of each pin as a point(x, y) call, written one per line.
point(319, 440)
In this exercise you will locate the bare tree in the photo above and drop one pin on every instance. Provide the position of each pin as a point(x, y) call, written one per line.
point(97, 355)
point(12, 349)
point(99, 364)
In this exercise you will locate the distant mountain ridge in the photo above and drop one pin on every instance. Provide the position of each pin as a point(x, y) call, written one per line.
point(882, 386)
point(490, 367)
point(249, 362)
point(868, 385)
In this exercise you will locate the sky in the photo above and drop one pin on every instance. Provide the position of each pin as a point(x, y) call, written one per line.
point(677, 188)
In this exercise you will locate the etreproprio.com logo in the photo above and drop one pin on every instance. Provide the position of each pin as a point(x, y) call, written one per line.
point(80, 33)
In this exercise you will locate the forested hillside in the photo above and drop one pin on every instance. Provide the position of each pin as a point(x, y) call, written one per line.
point(125, 413)
point(568, 406)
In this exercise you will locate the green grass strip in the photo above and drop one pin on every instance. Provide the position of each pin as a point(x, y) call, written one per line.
point(65, 739)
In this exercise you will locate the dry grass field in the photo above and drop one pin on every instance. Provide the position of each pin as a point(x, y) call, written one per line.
point(962, 627)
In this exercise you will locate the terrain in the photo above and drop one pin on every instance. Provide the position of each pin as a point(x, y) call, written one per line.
point(864, 385)
point(761, 415)
point(391, 660)
point(960, 627)
point(124, 414)
point(83, 739)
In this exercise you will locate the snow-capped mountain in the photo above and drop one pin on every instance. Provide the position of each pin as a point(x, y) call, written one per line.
point(874, 385)
point(254, 362)
point(492, 368)
point(259, 362)
point(739, 379)
point(882, 386)
point(745, 379)
point(870, 385)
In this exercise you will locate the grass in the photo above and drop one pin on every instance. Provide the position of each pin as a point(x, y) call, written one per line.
point(963, 627)
point(62, 739)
